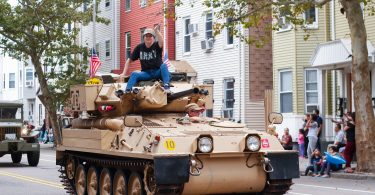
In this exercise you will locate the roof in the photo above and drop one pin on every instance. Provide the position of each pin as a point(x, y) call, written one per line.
point(11, 103)
point(336, 54)
point(182, 66)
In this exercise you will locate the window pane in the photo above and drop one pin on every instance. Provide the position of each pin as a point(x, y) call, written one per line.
point(127, 4)
point(310, 15)
point(187, 22)
point(230, 85)
point(311, 97)
point(187, 44)
point(229, 104)
point(311, 76)
point(286, 81)
point(12, 80)
point(29, 75)
point(209, 25)
point(229, 94)
point(311, 86)
point(286, 102)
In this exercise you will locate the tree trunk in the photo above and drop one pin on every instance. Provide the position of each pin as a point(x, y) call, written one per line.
point(46, 98)
point(365, 122)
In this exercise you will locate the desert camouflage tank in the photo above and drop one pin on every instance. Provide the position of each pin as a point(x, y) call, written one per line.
point(148, 142)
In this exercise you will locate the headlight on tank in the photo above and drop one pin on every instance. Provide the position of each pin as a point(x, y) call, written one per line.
point(205, 144)
point(252, 143)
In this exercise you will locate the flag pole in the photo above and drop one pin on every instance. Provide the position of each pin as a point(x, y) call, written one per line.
point(93, 31)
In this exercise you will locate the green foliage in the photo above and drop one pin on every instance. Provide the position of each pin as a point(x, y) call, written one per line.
point(37, 30)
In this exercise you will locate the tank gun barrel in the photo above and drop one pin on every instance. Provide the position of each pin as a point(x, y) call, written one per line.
point(103, 123)
point(182, 94)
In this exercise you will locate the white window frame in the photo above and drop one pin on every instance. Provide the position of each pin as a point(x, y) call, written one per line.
point(128, 37)
point(225, 98)
point(142, 30)
point(227, 36)
point(186, 34)
point(97, 48)
point(108, 46)
point(142, 3)
point(283, 23)
point(28, 70)
point(13, 80)
point(285, 92)
point(313, 25)
point(207, 21)
point(311, 91)
point(128, 5)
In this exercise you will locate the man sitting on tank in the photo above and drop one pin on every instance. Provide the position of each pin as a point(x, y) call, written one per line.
point(149, 54)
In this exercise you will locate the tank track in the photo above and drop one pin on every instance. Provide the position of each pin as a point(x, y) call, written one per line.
point(131, 164)
point(274, 187)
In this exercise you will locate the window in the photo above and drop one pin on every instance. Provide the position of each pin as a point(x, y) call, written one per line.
point(127, 5)
point(108, 48)
point(69, 28)
point(283, 21)
point(311, 17)
point(107, 3)
point(4, 81)
point(20, 77)
point(97, 48)
point(229, 33)
point(127, 45)
point(40, 115)
point(209, 112)
point(228, 101)
point(12, 80)
point(143, 3)
point(311, 90)
point(286, 94)
point(209, 26)
point(186, 35)
point(85, 6)
point(29, 74)
point(142, 31)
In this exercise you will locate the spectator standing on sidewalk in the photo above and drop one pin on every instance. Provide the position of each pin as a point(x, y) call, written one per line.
point(306, 131)
point(312, 126)
point(301, 143)
point(319, 120)
point(350, 141)
point(43, 130)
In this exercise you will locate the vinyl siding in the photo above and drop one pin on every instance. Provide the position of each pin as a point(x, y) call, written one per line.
point(284, 57)
point(341, 24)
point(370, 27)
point(218, 64)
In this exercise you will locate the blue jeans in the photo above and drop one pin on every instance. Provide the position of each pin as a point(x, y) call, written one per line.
point(146, 75)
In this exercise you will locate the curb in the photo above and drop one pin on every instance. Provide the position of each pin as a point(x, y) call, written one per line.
point(353, 176)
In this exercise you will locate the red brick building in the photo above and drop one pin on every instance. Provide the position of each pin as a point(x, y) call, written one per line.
point(135, 16)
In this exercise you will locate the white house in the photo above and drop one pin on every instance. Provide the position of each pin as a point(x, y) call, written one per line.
point(107, 36)
point(223, 61)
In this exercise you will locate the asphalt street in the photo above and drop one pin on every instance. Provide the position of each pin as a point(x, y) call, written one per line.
point(20, 179)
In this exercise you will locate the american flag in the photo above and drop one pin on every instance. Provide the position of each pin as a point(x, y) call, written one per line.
point(94, 63)
point(166, 60)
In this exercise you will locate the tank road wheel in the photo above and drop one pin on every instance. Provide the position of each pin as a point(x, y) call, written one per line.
point(149, 180)
point(70, 167)
point(80, 180)
point(33, 158)
point(119, 183)
point(16, 157)
point(105, 182)
point(135, 184)
point(92, 181)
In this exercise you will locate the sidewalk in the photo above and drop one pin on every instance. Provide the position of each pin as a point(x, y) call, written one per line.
point(303, 162)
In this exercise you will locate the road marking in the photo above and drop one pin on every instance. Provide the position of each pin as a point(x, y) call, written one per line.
point(32, 179)
point(47, 160)
point(297, 193)
point(335, 188)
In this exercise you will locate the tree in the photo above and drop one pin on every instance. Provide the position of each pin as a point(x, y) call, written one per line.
point(42, 32)
point(251, 13)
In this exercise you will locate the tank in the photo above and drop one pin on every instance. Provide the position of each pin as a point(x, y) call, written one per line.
point(17, 138)
point(150, 142)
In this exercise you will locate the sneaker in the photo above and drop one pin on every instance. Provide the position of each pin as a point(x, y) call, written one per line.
point(167, 89)
point(325, 176)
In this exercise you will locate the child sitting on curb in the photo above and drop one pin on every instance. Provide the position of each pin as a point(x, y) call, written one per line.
point(330, 166)
point(316, 163)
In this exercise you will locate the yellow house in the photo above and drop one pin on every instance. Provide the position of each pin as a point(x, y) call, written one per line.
point(315, 74)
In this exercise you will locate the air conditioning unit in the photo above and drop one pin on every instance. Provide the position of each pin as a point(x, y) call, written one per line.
point(143, 3)
point(193, 29)
point(207, 44)
point(29, 84)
